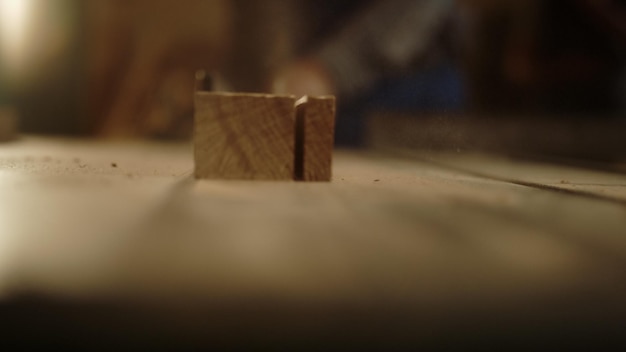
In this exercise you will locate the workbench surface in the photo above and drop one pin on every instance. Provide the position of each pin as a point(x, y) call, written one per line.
point(393, 250)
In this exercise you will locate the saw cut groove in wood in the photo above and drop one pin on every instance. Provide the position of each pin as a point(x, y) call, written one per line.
point(244, 136)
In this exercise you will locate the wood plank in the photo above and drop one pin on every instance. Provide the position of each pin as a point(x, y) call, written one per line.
point(403, 246)
point(244, 136)
point(243, 238)
point(593, 183)
point(318, 132)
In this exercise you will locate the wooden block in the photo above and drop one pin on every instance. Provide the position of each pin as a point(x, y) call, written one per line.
point(316, 131)
point(244, 136)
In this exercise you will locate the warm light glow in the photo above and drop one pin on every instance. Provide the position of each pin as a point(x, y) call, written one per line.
point(34, 39)
point(15, 17)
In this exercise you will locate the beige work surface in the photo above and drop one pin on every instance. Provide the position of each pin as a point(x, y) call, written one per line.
point(419, 244)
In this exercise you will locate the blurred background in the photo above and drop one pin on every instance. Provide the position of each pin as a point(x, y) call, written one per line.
point(127, 68)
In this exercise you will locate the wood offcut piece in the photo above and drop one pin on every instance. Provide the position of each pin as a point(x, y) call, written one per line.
point(316, 121)
point(263, 137)
point(244, 136)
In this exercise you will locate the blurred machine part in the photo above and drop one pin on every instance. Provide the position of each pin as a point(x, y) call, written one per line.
point(8, 123)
